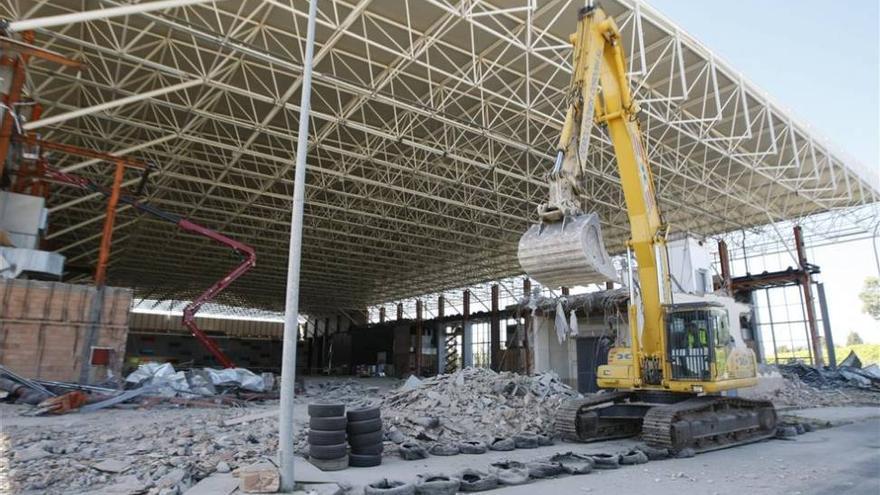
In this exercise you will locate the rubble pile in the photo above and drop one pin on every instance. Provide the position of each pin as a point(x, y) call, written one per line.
point(352, 393)
point(806, 386)
point(151, 451)
point(475, 403)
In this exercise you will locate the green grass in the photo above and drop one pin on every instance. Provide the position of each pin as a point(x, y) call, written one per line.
point(867, 353)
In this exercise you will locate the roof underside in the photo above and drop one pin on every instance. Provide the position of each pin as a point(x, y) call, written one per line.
point(432, 126)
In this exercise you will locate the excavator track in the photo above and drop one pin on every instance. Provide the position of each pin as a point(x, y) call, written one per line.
point(568, 425)
point(709, 423)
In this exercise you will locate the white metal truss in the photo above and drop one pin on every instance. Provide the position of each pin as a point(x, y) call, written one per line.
point(434, 123)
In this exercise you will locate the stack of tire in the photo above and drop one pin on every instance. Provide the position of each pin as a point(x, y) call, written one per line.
point(327, 436)
point(365, 437)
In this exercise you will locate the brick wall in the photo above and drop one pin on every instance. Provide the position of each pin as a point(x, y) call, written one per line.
point(44, 327)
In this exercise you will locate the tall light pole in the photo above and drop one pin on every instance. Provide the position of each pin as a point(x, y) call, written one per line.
point(291, 307)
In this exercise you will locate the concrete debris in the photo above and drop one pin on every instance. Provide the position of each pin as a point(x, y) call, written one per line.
point(150, 451)
point(804, 386)
point(352, 393)
point(475, 404)
point(260, 478)
point(112, 466)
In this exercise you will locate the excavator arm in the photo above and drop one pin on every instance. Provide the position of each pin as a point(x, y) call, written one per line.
point(599, 94)
point(656, 386)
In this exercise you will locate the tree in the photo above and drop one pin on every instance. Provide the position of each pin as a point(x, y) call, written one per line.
point(870, 296)
point(854, 338)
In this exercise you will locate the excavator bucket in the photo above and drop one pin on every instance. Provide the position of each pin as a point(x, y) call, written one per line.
point(566, 253)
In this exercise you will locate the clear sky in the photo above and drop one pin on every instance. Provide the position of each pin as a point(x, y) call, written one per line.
point(820, 59)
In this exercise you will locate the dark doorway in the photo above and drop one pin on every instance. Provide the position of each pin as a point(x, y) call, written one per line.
point(592, 352)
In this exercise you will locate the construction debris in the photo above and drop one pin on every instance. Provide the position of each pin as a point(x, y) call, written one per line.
point(806, 386)
point(475, 403)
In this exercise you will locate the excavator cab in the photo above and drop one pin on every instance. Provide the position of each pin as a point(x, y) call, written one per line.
point(698, 335)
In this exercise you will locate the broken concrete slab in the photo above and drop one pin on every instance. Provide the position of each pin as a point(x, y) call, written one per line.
point(112, 466)
point(216, 484)
point(31, 453)
point(125, 485)
point(260, 478)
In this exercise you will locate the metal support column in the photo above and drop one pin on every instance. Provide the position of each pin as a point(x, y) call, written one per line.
point(440, 336)
point(467, 352)
point(826, 326)
point(11, 99)
point(382, 315)
point(291, 306)
point(310, 359)
point(724, 259)
point(109, 220)
point(494, 332)
point(566, 291)
point(399, 311)
point(418, 348)
point(809, 304)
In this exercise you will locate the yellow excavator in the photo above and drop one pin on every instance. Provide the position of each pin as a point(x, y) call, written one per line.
point(666, 382)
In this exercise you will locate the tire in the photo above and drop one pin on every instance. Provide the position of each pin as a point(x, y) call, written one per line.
point(327, 452)
point(325, 410)
point(364, 413)
point(365, 426)
point(436, 484)
point(320, 437)
point(512, 477)
point(605, 461)
point(502, 444)
point(331, 423)
point(573, 463)
point(544, 469)
point(330, 464)
point(472, 447)
point(376, 449)
point(364, 460)
point(510, 473)
point(477, 481)
point(410, 451)
point(526, 441)
point(444, 449)
point(633, 457)
point(389, 487)
point(654, 453)
point(365, 439)
point(686, 453)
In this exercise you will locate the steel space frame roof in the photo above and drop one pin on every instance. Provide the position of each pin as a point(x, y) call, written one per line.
point(433, 124)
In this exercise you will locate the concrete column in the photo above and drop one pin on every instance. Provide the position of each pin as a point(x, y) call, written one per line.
point(495, 332)
point(565, 291)
point(467, 352)
point(826, 326)
point(382, 314)
point(399, 311)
